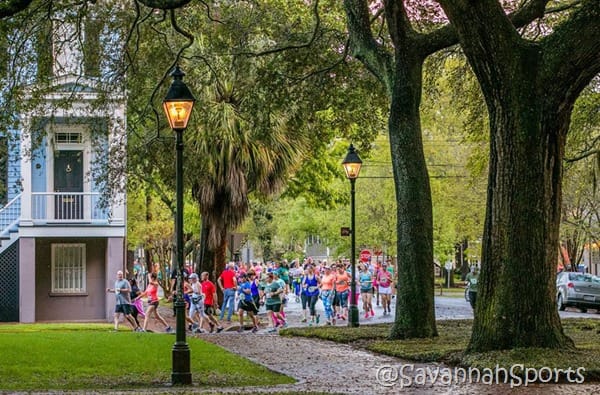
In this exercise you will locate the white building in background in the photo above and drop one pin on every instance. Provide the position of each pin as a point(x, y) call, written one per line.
point(62, 237)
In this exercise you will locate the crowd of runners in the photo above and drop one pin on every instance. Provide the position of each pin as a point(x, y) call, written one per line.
point(322, 288)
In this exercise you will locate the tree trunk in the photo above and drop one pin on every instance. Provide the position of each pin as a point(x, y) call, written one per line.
point(205, 259)
point(415, 316)
point(530, 89)
point(220, 260)
point(516, 302)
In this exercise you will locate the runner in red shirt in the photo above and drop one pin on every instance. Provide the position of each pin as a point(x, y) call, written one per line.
point(210, 296)
point(228, 284)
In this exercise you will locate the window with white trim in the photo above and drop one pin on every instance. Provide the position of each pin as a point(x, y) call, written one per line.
point(69, 137)
point(68, 268)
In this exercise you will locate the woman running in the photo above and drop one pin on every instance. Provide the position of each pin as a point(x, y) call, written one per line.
point(366, 290)
point(342, 290)
point(310, 294)
point(272, 293)
point(327, 293)
point(152, 293)
point(384, 279)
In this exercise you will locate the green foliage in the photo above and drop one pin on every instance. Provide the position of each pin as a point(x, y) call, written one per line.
point(258, 75)
point(89, 357)
point(580, 204)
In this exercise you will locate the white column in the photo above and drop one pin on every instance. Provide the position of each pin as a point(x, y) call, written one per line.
point(115, 261)
point(27, 285)
point(26, 174)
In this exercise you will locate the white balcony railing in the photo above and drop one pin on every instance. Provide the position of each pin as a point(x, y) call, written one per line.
point(67, 207)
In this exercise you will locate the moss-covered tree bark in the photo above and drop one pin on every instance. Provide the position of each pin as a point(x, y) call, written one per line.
point(401, 76)
point(400, 73)
point(519, 184)
point(530, 89)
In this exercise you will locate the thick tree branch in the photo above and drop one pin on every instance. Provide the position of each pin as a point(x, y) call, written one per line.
point(364, 47)
point(577, 40)
point(398, 24)
point(315, 33)
point(584, 155)
point(164, 4)
point(445, 37)
point(11, 7)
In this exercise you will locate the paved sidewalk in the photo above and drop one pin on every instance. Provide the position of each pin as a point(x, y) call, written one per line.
point(327, 367)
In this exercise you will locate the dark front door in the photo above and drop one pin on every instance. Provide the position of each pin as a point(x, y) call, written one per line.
point(68, 178)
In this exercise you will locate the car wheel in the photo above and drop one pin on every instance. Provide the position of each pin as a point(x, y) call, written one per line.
point(559, 302)
point(583, 310)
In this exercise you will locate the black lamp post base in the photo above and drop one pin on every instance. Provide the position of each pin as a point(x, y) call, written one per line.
point(181, 374)
point(353, 317)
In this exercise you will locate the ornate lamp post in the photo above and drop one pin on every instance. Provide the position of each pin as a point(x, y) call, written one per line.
point(352, 164)
point(178, 106)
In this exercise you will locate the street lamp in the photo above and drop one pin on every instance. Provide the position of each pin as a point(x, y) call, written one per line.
point(178, 106)
point(352, 164)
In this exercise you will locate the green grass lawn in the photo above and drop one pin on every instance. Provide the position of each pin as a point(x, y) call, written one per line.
point(90, 356)
point(454, 336)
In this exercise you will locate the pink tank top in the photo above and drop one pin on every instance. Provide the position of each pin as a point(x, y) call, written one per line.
point(152, 291)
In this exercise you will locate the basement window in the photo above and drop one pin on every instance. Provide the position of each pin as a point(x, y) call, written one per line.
point(68, 268)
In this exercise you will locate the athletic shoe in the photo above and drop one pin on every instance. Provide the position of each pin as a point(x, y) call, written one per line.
point(198, 330)
point(303, 320)
point(255, 329)
point(169, 329)
point(284, 325)
point(272, 330)
point(241, 330)
point(366, 315)
point(219, 329)
point(372, 313)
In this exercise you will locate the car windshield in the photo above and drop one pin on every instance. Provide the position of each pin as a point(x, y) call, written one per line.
point(588, 278)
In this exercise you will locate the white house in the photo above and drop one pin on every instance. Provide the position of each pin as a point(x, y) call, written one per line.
point(62, 233)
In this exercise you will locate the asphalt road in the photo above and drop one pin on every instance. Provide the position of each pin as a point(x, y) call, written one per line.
point(446, 307)
point(457, 308)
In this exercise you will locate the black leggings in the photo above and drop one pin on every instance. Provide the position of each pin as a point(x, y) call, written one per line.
point(311, 302)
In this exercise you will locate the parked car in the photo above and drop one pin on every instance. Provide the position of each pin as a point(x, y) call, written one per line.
point(579, 290)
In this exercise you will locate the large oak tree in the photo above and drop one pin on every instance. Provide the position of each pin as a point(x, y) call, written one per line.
point(530, 87)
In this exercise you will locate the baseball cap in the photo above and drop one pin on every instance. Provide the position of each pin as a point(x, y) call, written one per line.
point(193, 275)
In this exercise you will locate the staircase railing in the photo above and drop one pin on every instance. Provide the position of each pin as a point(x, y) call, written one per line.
point(9, 214)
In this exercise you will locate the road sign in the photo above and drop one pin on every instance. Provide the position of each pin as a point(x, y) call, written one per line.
point(365, 256)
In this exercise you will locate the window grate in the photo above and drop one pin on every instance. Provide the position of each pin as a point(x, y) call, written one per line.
point(68, 268)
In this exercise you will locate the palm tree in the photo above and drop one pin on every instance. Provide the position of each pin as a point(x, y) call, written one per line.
point(236, 157)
